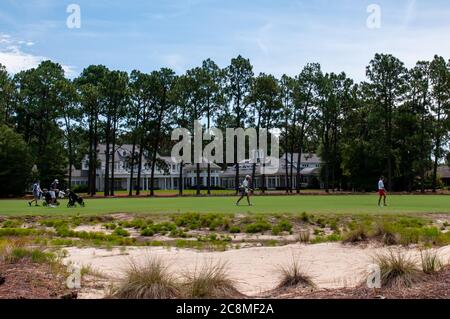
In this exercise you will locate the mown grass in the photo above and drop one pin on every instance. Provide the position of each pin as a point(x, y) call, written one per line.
point(348, 204)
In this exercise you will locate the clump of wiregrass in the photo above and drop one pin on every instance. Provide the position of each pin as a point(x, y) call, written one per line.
point(88, 270)
point(35, 255)
point(397, 270)
point(15, 250)
point(210, 281)
point(386, 234)
point(293, 275)
point(359, 234)
point(304, 236)
point(150, 280)
point(431, 262)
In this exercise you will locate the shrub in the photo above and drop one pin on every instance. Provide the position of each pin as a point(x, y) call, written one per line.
point(135, 223)
point(397, 270)
point(211, 281)
point(147, 232)
point(178, 233)
point(304, 217)
point(276, 230)
point(198, 221)
point(149, 281)
point(285, 225)
point(110, 226)
point(162, 228)
point(17, 232)
point(119, 231)
point(235, 229)
point(257, 227)
point(293, 276)
point(81, 189)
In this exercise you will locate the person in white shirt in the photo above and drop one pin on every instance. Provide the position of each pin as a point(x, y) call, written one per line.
point(36, 193)
point(245, 190)
point(381, 191)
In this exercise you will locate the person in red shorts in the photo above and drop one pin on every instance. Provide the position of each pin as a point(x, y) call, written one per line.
point(381, 191)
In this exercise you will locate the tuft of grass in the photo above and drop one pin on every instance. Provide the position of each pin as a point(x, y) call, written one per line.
point(257, 227)
point(119, 231)
point(431, 263)
point(235, 229)
point(211, 281)
point(294, 276)
point(148, 281)
point(304, 236)
point(386, 234)
point(357, 235)
point(36, 255)
point(110, 226)
point(397, 270)
point(334, 237)
point(12, 223)
point(21, 232)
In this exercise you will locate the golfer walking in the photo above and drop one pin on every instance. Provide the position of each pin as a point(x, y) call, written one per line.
point(36, 193)
point(381, 192)
point(245, 190)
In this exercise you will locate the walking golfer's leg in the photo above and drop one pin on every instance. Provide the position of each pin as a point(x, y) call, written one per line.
point(239, 200)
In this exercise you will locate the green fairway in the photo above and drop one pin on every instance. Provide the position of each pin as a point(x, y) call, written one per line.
point(354, 204)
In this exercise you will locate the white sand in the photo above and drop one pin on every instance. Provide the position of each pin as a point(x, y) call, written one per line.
point(331, 265)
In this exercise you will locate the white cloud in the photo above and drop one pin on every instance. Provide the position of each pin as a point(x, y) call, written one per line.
point(15, 59)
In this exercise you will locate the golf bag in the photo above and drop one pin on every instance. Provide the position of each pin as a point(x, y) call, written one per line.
point(75, 199)
point(48, 201)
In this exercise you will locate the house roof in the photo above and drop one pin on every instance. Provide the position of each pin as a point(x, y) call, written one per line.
point(443, 171)
point(306, 158)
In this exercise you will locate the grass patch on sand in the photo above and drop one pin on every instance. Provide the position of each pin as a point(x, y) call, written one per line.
point(293, 275)
point(431, 262)
point(151, 280)
point(210, 281)
point(397, 270)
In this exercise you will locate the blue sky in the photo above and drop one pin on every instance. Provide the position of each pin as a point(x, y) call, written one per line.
point(279, 36)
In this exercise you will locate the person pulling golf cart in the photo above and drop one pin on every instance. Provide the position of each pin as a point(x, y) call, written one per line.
point(49, 201)
point(74, 199)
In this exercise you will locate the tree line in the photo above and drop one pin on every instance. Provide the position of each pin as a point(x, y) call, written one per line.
point(394, 123)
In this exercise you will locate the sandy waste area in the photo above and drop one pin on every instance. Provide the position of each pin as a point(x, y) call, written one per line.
point(255, 270)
